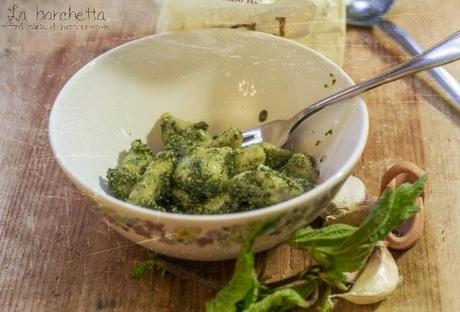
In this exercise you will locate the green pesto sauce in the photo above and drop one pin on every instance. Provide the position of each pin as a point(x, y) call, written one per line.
point(263, 115)
point(197, 173)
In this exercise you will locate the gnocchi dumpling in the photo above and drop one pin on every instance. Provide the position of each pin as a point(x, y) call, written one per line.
point(198, 174)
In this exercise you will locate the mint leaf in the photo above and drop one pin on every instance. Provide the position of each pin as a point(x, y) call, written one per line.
point(338, 249)
point(138, 270)
point(141, 268)
point(283, 299)
point(331, 235)
point(243, 288)
point(391, 210)
point(341, 249)
point(326, 303)
point(320, 242)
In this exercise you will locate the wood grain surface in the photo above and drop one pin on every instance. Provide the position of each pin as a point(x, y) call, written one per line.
point(56, 254)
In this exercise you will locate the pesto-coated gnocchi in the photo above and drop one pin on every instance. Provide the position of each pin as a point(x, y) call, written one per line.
point(198, 174)
point(131, 168)
point(205, 170)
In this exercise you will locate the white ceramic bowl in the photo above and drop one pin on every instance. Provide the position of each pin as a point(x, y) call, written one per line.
point(224, 77)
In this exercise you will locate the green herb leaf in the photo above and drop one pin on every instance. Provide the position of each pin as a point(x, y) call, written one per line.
point(341, 249)
point(283, 299)
point(138, 270)
point(321, 242)
point(338, 249)
point(141, 268)
point(326, 302)
point(243, 288)
point(331, 235)
point(391, 210)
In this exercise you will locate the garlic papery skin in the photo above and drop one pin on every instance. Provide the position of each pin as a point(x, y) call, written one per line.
point(350, 205)
point(379, 279)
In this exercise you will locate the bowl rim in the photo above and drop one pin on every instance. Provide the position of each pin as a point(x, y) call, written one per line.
point(278, 208)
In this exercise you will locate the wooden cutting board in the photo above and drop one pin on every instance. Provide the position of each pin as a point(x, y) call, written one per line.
point(57, 255)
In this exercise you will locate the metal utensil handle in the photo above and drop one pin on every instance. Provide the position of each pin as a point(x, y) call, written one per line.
point(442, 53)
point(445, 80)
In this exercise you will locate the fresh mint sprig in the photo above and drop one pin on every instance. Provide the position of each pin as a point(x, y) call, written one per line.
point(342, 249)
point(242, 290)
point(339, 249)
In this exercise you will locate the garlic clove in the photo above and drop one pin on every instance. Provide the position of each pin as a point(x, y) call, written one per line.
point(352, 193)
point(350, 205)
point(353, 217)
point(379, 279)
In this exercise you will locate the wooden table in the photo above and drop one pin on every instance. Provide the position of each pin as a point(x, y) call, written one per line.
point(56, 254)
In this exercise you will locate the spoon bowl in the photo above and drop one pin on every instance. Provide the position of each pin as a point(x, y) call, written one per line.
point(370, 13)
point(367, 12)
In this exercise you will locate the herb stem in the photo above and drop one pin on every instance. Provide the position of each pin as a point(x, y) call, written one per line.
point(186, 274)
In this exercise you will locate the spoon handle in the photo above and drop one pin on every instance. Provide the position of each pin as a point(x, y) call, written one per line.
point(442, 53)
point(445, 80)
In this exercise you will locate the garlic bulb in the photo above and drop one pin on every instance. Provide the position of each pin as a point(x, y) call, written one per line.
point(379, 279)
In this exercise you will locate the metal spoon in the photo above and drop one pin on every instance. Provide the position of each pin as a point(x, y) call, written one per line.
point(278, 131)
point(370, 13)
